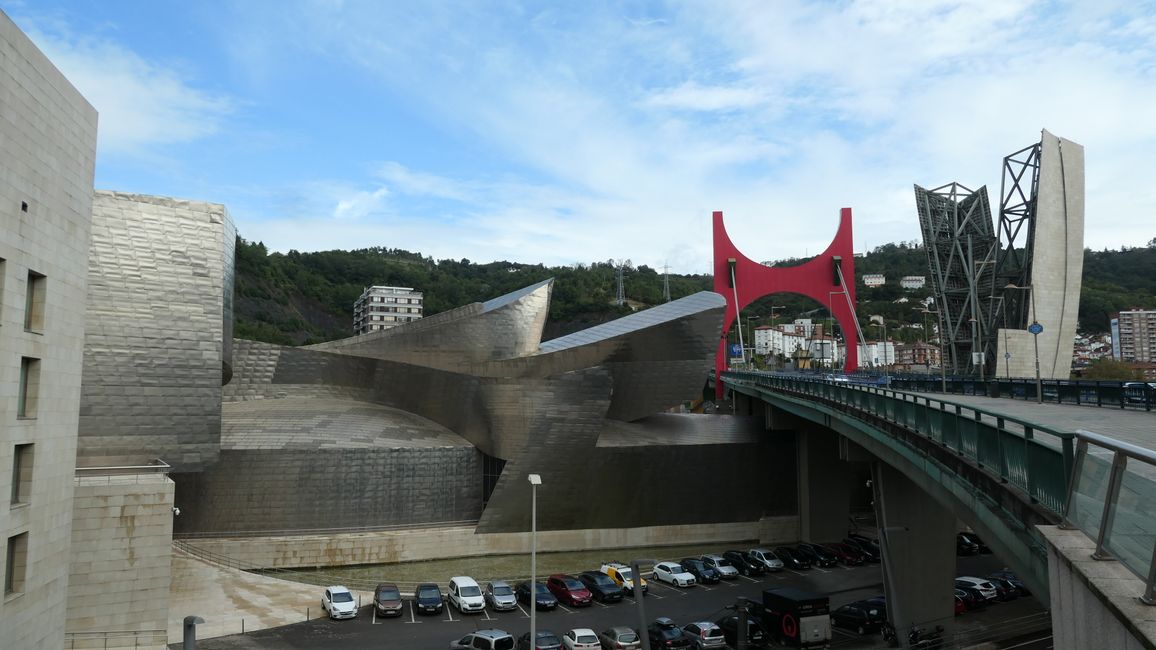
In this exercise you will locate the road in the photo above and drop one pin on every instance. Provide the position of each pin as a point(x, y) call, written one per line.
point(842, 584)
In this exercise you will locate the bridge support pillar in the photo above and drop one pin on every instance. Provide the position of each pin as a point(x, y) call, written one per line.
point(917, 536)
point(824, 485)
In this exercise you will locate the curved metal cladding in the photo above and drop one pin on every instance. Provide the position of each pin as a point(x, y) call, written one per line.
point(508, 326)
point(158, 314)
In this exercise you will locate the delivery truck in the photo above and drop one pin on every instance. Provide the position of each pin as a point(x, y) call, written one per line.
point(797, 618)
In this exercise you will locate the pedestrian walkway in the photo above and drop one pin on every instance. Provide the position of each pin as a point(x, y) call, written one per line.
point(233, 601)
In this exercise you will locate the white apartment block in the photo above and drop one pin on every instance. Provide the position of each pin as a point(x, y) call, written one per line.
point(773, 341)
point(48, 136)
point(874, 279)
point(874, 354)
point(913, 281)
point(381, 307)
point(1134, 336)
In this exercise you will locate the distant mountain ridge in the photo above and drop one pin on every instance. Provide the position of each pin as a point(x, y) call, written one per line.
point(297, 298)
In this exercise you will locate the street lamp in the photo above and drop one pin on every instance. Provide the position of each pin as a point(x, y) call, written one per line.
point(942, 359)
point(886, 363)
point(1035, 328)
point(751, 331)
point(535, 481)
point(831, 318)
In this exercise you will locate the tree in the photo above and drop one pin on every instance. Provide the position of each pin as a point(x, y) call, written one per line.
point(1110, 369)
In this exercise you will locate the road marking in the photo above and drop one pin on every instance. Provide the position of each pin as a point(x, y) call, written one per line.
point(568, 610)
point(523, 611)
point(374, 616)
point(486, 613)
point(412, 619)
point(1020, 645)
point(748, 578)
point(449, 613)
point(600, 603)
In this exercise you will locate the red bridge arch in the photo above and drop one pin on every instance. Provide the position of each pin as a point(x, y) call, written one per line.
point(817, 279)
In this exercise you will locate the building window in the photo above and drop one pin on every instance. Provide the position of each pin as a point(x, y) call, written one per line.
point(29, 387)
point(16, 564)
point(22, 474)
point(34, 303)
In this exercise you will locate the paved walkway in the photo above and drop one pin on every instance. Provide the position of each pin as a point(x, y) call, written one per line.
point(230, 598)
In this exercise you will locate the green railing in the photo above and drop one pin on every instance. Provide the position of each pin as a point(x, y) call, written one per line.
point(1033, 458)
point(1116, 505)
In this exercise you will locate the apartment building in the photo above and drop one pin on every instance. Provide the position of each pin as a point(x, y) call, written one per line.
point(381, 307)
point(1134, 336)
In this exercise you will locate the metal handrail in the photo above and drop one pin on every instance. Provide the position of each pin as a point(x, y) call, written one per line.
point(295, 532)
point(148, 638)
point(157, 465)
point(1121, 453)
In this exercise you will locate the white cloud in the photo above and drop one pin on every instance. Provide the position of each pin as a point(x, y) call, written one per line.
point(142, 105)
point(360, 204)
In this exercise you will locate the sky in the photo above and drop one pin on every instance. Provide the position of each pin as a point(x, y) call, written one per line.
point(577, 132)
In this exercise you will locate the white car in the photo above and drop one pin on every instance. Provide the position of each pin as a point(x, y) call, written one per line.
point(582, 638)
point(338, 602)
point(672, 573)
point(767, 557)
point(982, 585)
point(722, 565)
point(466, 594)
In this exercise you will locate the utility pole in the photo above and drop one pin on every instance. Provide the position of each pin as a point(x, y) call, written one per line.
point(666, 282)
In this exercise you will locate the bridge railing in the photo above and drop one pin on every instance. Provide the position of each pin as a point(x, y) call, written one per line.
point(1035, 458)
point(1081, 392)
point(1115, 504)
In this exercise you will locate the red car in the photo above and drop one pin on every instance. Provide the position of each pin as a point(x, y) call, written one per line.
point(847, 554)
point(959, 606)
point(569, 590)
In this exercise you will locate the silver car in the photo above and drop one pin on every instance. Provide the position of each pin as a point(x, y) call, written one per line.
point(722, 565)
point(703, 634)
point(619, 638)
point(500, 596)
point(767, 557)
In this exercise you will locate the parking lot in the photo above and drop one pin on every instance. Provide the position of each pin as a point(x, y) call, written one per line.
point(702, 602)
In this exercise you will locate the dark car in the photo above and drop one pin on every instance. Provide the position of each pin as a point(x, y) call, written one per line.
point(601, 586)
point(1013, 579)
point(964, 546)
point(387, 599)
point(570, 590)
point(746, 565)
point(756, 637)
point(543, 599)
point(427, 599)
point(1004, 587)
point(870, 551)
point(863, 540)
point(664, 633)
point(547, 640)
point(816, 555)
point(971, 598)
point(862, 617)
point(975, 539)
point(792, 559)
point(847, 554)
point(703, 574)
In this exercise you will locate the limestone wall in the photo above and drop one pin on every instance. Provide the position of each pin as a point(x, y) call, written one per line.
point(122, 554)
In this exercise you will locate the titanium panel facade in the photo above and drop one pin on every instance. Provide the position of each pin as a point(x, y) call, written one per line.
point(47, 155)
point(159, 319)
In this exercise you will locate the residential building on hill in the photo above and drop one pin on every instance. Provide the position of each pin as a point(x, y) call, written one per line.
point(381, 307)
point(1134, 336)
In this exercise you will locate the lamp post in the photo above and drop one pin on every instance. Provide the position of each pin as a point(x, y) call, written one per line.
point(535, 481)
point(751, 331)
point(942, 359)
point(886, 363)
point(831, 318)
point(1035, 328)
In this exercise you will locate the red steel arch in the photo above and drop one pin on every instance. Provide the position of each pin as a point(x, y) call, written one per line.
point(816, 279)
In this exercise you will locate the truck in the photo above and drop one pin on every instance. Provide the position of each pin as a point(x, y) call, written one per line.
point(797, 618)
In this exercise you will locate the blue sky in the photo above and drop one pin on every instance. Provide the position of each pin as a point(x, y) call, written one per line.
point(564, 132)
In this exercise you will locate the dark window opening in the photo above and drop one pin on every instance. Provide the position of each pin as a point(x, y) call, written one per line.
point(491, 471)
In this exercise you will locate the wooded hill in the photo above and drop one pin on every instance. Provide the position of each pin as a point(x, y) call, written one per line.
point(297, 298)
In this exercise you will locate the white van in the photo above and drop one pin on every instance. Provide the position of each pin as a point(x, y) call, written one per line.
point(466, 595)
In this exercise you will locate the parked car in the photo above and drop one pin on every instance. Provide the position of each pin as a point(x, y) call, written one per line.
point(768, 558)
point(704, 634)
point(845, 553)
point(719, 563)
point(570, 590)
point(672, 573)
point(1011, 577)
point(756, 637)
point(971, 598)
point(1139, 392)
point(864, 540)
point(817, 555)
point(465, 594)
point(978, 541)
point(427, 599)
point(500, 596)
point(664, 633)
point(746, 565)
point(484, 640)
point(542, 598)
point(601, 586)
point(1005, 590)
point(703, 574)
point(387, 599)
point(620, 638)
point(582, 638)
point(791, 559)
point(338, 602)
point(547, 640)
point(960, 606)
point(870, 551)
point(983, 586)
point(860, 616)
point(623, 576)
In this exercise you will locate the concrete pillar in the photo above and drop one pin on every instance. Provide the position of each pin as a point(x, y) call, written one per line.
point(917, 536)
point(824, 486)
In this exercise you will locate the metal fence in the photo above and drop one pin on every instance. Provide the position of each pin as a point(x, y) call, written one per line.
point(1034, 458)
point(296, 532)
point(1116, 505)
point(107, 639)
point(1106, 394)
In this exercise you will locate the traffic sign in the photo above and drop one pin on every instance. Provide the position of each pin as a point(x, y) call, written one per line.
point(1007, 355)
point(1035, 328)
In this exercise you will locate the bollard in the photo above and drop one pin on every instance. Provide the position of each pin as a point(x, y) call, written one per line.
point(190, 634)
